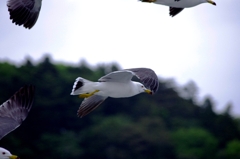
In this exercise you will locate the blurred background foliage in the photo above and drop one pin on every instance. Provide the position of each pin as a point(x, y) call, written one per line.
point(167, 125)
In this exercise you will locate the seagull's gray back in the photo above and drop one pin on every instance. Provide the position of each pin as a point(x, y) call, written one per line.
point(117, 76)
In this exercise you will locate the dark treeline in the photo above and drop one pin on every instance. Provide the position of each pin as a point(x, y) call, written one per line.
point(163, 126)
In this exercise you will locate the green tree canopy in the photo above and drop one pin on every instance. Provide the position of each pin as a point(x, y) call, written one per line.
point(166, 125)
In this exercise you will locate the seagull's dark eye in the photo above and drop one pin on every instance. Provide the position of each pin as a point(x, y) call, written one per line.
point(3, 153)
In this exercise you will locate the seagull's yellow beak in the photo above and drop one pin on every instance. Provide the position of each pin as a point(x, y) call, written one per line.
point(13, 157)
point(148, 91)
point(211, 2)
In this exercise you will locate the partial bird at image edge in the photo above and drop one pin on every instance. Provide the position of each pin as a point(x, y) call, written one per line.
point(25, 12)
point(13, 112)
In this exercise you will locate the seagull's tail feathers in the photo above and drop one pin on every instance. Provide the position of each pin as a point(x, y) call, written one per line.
point(80, 86)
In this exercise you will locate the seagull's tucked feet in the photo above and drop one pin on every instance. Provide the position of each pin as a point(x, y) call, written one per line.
point(86, 95)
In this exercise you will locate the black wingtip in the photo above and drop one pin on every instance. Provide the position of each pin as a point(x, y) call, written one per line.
point(25, 15)
point(174, 11)
point(78, 85)
point(149, 1)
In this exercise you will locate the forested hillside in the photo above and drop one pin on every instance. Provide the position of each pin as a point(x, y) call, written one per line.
point(163, 126)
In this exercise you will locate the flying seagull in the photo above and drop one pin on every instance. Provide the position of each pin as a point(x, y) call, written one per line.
point(176, 6)
point(13, 112)
point(24, 12)
point(116, 84)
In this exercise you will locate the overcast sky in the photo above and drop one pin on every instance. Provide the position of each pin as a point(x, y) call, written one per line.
point(199, 44)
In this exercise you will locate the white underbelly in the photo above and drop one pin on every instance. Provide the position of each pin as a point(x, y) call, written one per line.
point(115, 90)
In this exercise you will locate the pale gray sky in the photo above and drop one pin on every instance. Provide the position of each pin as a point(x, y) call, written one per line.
point(199, 44)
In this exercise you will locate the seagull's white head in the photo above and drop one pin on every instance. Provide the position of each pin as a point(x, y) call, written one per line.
point(5, 154)
point(211, 2)
point(141, 88)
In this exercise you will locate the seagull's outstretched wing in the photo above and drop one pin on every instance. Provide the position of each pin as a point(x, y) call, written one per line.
point(14, 111)
point(24, 12)
point(148, 77)
point(89, 104)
